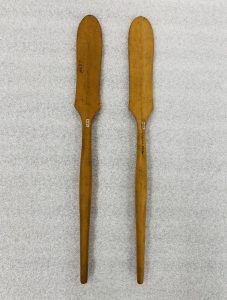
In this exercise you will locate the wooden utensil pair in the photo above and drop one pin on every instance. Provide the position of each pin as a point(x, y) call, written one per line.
point(89, 53)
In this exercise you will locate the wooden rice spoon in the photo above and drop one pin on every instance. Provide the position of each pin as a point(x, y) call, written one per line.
point(87, 103)
point(141, 50)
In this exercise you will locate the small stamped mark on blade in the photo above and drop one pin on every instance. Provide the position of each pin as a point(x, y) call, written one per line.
point(143, 125)
point(87, 123)
point(80, 67)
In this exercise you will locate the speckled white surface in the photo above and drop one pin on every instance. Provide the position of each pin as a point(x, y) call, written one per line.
point(40, 153)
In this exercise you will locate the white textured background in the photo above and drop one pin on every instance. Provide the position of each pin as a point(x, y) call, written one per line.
point(40, 140)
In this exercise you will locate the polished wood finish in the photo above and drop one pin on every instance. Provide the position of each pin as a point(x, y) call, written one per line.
point(87, 103)
point(141, 50)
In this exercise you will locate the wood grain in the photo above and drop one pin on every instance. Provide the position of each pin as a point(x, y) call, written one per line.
point(141, 50)
point(87, 103)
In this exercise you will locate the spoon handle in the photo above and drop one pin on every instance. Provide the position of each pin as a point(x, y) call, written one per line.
point(141, 198)
point(85, 199)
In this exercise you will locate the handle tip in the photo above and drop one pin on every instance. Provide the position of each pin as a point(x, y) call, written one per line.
point(83, 279)
point(139, 282)
point(140, 275)
point(140, 279)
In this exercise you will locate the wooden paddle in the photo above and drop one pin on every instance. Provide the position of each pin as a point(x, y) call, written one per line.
point(141, 50)
point(87, 103)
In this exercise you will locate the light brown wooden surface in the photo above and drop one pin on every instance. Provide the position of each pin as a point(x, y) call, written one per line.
point(87, 103)
point(141, 50)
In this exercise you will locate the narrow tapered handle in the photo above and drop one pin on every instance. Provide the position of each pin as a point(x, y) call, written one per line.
point(85, 199)
point(141, 198)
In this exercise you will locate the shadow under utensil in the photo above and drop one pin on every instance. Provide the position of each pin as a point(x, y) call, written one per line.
point(131, 198)
point(149, 199)
point(76, 190)
point(94, 197)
